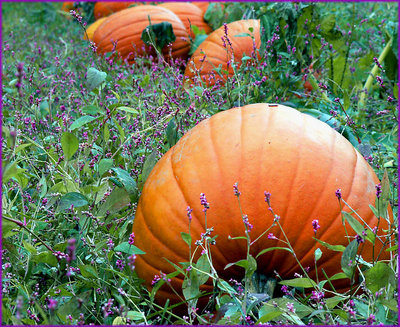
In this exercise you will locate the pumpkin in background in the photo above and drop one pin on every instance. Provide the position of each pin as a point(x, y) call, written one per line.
point(300, 160)
point(189, 14)
point(216, 54)
point(126, 27)
point(203, 5)
point(104, 9)
point(92, 28)
point(67, 6)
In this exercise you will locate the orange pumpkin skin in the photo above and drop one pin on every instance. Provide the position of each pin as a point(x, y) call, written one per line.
point(92, 28)
point(189, 14)
point(67, 6)
point(300, 160)
point(126, 27)
point(217, 54)
point(106, 8)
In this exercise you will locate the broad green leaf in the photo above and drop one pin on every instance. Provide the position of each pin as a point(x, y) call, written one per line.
point(135, 315)
point(104, 165)
point(317, 254)
point(354, 223)
point(91, 109)
point(29, 247)
point(379, 276)
point(43, 186)
point(171, 132)
point(117, 200)
point(126, 179)
point(81, 121)
point(69, 144)
point(204, 265)
point(299, 282)
point(382, 203)
point(348, 258)
point(11, 170)
point(94, 78)
point(88, 271)
point(269, 316)
point(331, 302)
point(148, 165)
point(45, 257)
point(73, 198)
point(186, 237)
point(129, 109)
point(125, 247)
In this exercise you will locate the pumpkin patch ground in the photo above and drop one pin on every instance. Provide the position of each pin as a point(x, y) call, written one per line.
point(199, 163)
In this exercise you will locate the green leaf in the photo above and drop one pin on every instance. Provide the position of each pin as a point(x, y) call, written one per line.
point(94, 78)
point(354, 223)
point(299, 282)
point(382, 203)
point(148, 165)
point(348, 258)
point(45, 257)
point(171, 132)
point(269, 316)
point(252, 266)
point(81, 121)
point(104, 165)
point(379, 276)
point(197, 41)
point(158, 35)
point(317, 254)
point(73, 198)
point(391, 304)
point(117, 200)
point(43, 186)
point(11, 170)
point(126, 179)
point(129, 109)
point(29, 247)
point(392, 248)
point(69, 144)
point(272, 249)
point(88, 271)
point(187, 238)
point(204, 265)
point(125, 247)
point(339, 248)
point(91, 109)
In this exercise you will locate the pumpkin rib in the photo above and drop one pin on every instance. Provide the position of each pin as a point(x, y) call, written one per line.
point(157, 237)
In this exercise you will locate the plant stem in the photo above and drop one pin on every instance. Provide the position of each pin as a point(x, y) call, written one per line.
point(373, 73)
point(21, 224)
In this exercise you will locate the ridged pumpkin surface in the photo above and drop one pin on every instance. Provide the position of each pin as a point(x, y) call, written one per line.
point(189, 14)
point(92, 28)
point(106, 8)
point(216, 54)
point(300, 160)
point(126, 27)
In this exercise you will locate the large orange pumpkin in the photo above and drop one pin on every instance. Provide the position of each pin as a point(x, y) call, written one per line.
point(189, 14)
point(106, 8)
point(211, 52)
point(126, 27)
point(300, 160)
point(92, 28)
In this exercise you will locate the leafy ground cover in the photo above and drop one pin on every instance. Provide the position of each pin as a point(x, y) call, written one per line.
point(81, 133)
